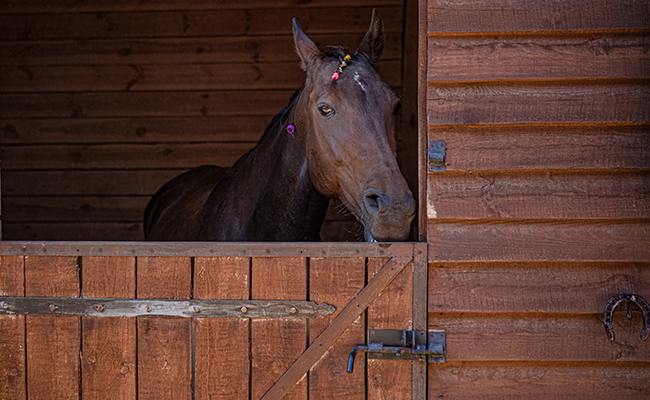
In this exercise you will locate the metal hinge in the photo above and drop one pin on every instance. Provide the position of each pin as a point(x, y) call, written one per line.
point(395, 344)
point(437, 156)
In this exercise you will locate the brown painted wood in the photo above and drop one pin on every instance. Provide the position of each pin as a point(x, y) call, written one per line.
point(574, 287)
point(531, 15)
point(544, 146)
point(548, 56)
point(74, 231)
point(164, 344)
point(540, 336)
point(53, 343)
point(534, 380)
point(538, 240)
point(621, 100)
point(108, 359)
point(222, 361)
point(12, 345)
point(337, 281)
point(540, 194)
point(393, 309)
point(277, 344)
point(75, 209)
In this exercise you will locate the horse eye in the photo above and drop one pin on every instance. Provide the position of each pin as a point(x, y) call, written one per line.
point(325, 111)
point(397, 108)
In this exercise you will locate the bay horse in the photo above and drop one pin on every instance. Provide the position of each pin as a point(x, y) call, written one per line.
point(335, 139)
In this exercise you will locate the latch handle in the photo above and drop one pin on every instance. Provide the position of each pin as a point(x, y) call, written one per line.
point(353, 354)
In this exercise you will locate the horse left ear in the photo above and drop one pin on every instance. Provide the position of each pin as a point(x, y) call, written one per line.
point(309, 54)
point(372, 44)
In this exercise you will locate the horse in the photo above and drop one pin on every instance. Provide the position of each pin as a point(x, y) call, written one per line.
point(334, 140)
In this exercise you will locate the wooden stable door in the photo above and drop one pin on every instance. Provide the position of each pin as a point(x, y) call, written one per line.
point(61, 356)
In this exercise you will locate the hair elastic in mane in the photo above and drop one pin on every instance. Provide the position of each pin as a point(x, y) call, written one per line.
point(342, 64)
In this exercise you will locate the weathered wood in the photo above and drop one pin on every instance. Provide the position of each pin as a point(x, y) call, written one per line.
point(531, 15)
point(73, 231)
point(74, 209)
point(544, 146)
point(221, 360)
point(108, 359)
point(53, 343)
point(538, 240)
point(605, 100)
point(535, 380)
point(277, 344)
point(12, 345)
point(574, 287)
point(164, 344)
point(422, 123)
point(540, 336)
point(548, 56)
point(540, 194)
point(240, 22)
point(328, 379)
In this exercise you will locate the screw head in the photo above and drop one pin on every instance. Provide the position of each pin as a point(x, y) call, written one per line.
point(124, 370)
point(52, 307)
point(148, 308)
point(197, 309)
point(92, 359)
point(5, 305)
point(294, 310)
point(100, 307)
point(244, 309)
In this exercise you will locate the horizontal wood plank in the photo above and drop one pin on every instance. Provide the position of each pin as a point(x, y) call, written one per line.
point(453, 58)
point(539, 240)
point(540, 194)
point(242, 49)
point(544, 146)
point(538, 101)
point(74, 209)
point(532, 15)
point(540, 337)
point(574, 287)
point(234, 22)
point(457, 380)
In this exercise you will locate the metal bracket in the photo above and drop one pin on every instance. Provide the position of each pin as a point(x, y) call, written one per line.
point(608, 314)
point(402, 345)
point(437, 156)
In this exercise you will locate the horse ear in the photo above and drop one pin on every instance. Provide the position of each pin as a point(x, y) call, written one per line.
point(307, 50)
point(372, 44)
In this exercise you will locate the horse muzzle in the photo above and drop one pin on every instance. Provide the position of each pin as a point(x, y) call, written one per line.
point(388, 215)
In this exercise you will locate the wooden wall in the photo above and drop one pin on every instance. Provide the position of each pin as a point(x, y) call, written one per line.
point(543, 213)
point(102, 102)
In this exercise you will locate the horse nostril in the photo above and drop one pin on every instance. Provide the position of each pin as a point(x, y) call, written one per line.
point(375, 202)
point(372, 202)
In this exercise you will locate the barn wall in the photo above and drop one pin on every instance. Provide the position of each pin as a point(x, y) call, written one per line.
point(102, 102)
point(543, 213)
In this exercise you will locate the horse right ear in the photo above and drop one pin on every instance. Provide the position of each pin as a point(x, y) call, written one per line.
point(309, 54)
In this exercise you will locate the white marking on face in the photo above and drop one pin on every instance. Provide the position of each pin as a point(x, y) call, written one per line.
point(357, 79)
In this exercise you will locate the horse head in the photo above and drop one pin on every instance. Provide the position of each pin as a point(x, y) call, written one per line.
point(348, 114)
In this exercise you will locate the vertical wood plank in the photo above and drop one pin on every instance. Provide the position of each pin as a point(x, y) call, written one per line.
point(337, 281)
point(389, 379)
point(276, 344)
point(12, 345)
point(53, 343)
point(108, 362)
point(222, 351)
point(164, 344)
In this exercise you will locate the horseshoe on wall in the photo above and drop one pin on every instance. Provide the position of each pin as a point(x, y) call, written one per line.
point(627, 297)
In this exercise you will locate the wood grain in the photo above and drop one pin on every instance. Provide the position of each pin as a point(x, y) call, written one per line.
point(544, 146)
point(221, 360)
point(108, 359)
point(52, 343)
point(573, 287)
point(12, 346)
point(538, 240)
point(75, 209)
point(73, 231)
point(164, 344)
point(328, 379)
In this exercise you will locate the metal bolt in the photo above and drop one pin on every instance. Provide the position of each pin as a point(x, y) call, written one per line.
point(197, 309)
point(148, 308)
point(92, 359)
point(52, 307)
point(244, 309)
point(293, 310)
point(100, 307)
point(5, 305)
point(282, 389)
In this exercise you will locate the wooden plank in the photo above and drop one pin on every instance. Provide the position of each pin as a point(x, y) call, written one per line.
point(393, 309)
point(540, 337)
point(222, 361)
point(328, 379)
point(108, 361)
point(74, 209)
point(12, 347)
point(576, 287)
point(621, 100)
point(200, 50)
point(534, 380)
point(538, 240)
point(547, 56)
point(174, 77)
point(540, 194)
point(78, 231)
point(53, 343)
point(531, 15)
point(277, 344)
point(164, 344)
point(134, 24)
point(544, 146)
point(159, 156)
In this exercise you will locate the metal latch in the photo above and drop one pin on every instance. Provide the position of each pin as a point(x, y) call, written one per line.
point(437, 156)
point(395, 344)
